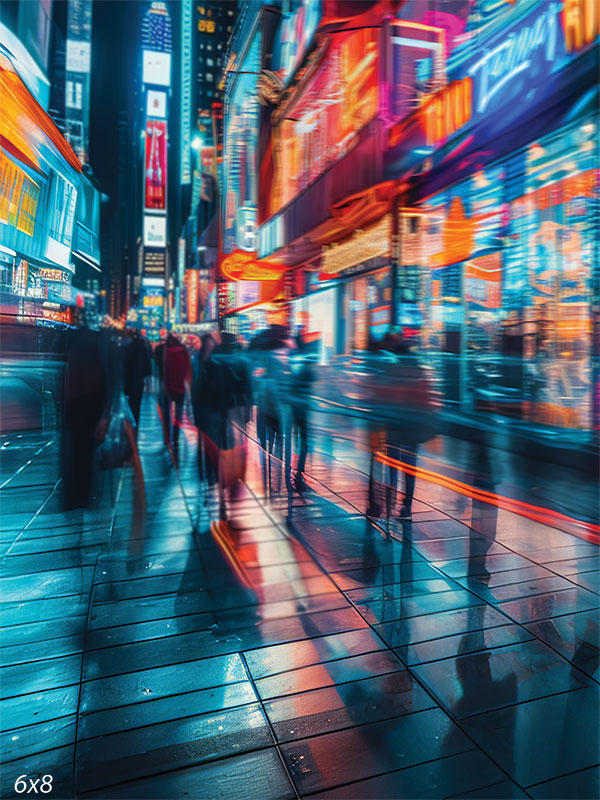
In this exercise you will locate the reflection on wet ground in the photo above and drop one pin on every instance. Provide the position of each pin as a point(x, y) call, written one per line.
point(297, 648)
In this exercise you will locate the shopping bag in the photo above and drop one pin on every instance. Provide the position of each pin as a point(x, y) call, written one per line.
point(116, 448)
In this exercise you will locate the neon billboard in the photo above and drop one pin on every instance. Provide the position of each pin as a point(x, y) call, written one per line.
point(240, 156)
point(501, 76)
point(339, 100)
point(156, 164)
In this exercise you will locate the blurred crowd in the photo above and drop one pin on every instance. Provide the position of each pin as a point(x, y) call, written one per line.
point(219, 387)
point(232, 394)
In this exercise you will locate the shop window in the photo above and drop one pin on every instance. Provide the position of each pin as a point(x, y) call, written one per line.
point(506, 259)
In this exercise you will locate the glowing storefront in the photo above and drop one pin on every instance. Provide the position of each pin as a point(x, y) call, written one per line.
point(498, 264)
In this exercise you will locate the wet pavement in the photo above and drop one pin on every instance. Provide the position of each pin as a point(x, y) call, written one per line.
point(299, 648)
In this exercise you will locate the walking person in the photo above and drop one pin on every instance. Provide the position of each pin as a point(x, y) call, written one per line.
point(174, 371)
point(411, 423)
point(204, 402)
point(302, 378)
point(136, 368)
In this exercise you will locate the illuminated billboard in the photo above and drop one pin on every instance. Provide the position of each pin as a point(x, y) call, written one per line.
point(156, 104)
point(240, 151)
point(156, 68)
point(155, 231)
point(340, 98)
point(157, 28)
point(156, 164)
point(79, 56)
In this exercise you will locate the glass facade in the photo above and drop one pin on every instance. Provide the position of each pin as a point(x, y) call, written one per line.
point(503, 297)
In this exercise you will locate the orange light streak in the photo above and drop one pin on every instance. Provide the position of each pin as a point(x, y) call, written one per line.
point(584, 530)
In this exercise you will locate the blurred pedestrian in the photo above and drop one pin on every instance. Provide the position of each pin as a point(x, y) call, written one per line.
point(204, 401)
point(227, 387)
point(272, 392)
point(410, 423)
point(136, 368)
point(174, 371)
point(88, 388)
point(302, 378)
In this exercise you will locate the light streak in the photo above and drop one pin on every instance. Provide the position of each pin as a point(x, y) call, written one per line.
point(584, 530)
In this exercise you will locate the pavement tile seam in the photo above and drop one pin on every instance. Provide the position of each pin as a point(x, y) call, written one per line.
point(306, 692)
point(33, 518)
point(178, 718)
point(269, 723)
point(188, 767)
point(323, 795)
point(214, 612)
point(486, 649)
point(246, 649)
point(385, 649)
point(418, 682)
point(565, 775)
point(501, 706)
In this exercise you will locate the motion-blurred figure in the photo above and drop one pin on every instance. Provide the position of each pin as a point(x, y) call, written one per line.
point(136, 368)
point(272, 394)
point(302, 379)
point(407, 387)
point(87, 400)
point(484, 516)
point(204, 401)
point(225, 440)
point(174, 371)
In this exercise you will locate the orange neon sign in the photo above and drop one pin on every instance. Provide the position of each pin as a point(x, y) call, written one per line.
point(447, 110)
point(581, 23)
point(244, 266)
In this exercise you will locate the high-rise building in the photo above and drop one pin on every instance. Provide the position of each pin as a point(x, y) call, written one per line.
point(77, 76)
point(213, 27)
point(205, 32)
point(156, 44)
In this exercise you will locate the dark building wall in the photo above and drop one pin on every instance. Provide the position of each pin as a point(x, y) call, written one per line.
point(114, 139)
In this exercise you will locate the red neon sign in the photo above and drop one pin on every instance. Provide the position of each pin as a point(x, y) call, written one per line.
point(156, 163)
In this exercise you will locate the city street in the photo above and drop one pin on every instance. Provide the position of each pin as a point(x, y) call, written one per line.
point(300, 649)
point(300, 399)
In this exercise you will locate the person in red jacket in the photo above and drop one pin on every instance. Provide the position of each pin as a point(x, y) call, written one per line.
point(174, 368)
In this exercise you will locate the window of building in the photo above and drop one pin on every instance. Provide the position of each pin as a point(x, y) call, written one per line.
point(210, 62)
point(209, 77)
point(29, 202)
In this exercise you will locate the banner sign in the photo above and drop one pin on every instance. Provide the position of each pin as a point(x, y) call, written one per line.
point(156, 164)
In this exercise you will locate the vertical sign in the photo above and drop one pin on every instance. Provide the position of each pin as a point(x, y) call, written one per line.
point(186, 91)
point(193, 285)
point(156, 164)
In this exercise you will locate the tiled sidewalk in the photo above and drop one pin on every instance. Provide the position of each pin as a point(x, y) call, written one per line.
point(302, 650)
